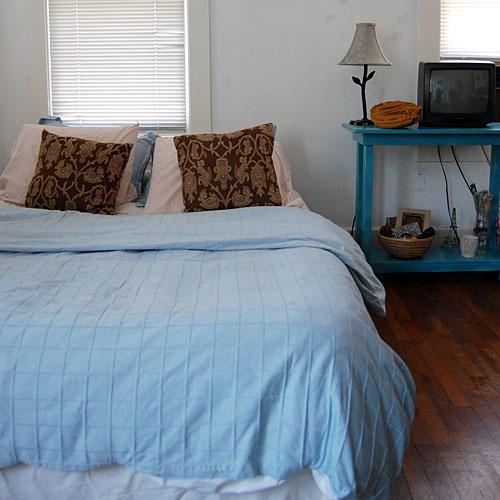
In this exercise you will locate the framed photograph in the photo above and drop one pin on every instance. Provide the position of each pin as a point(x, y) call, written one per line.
point(409, 215)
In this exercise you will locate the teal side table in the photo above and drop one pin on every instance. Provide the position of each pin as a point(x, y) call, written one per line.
point(435, 260)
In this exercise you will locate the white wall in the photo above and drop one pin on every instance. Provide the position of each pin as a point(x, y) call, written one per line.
point(276, 60)
point(23, 86)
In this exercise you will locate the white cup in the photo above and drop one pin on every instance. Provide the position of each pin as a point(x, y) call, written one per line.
point(468, 246)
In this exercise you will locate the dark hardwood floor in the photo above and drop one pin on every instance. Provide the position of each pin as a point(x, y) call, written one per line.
point(447, 329)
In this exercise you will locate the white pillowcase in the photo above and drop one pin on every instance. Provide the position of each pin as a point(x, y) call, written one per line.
point(165, 195)
point(16, 177)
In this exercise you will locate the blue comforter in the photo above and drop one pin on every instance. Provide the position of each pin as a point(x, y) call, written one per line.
point(220, 344)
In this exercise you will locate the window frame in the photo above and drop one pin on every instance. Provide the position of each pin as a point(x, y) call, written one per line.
point(198, 71)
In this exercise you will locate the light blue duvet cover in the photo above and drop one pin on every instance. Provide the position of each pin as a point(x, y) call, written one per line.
point(220, 344)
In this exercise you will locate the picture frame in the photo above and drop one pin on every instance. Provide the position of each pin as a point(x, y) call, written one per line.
point(409, 215)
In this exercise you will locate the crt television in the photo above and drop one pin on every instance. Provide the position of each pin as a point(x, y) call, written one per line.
point(456, 93)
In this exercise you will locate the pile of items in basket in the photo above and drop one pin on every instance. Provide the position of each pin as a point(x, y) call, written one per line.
point(410, 231)
point(408, 241)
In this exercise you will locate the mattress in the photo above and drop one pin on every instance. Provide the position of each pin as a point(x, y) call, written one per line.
point(216, 345)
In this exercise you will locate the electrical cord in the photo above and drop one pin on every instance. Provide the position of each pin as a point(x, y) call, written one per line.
point(447, 193)
point(470, 187)
point(486, 155)
point(352, 227)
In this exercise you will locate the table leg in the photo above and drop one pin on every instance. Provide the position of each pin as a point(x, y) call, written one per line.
point(367, 194)
point(359, 192)
point(495, 189)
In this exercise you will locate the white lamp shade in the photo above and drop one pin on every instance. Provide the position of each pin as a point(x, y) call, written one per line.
point(365, 48)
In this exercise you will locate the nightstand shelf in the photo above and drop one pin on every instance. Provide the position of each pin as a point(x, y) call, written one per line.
point(436, 260)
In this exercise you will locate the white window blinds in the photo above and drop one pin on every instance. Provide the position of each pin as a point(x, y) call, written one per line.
point(114, 62)
point(470, 29)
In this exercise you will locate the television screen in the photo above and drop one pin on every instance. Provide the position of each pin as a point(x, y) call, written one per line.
point(463, 91)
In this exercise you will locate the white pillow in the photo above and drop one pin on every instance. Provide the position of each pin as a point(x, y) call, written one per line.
point(165, 195)
point(16, 177)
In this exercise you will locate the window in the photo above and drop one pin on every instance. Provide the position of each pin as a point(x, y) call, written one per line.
point(113, 62)
point(469, 29)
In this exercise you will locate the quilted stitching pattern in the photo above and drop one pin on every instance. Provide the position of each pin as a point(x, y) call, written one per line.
point(237, 345)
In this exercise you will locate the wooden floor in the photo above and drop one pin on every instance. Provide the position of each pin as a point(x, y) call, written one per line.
point(447, 329)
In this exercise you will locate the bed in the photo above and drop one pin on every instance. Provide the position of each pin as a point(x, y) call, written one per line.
point(225, 354)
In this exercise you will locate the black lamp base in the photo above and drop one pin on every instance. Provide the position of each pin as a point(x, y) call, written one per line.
point(365, 122)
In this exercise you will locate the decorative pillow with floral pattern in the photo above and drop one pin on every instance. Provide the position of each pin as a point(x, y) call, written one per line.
point(223, 171)
point(77, 174)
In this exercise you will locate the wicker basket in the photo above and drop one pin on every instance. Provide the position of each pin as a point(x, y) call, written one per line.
point(405, 249)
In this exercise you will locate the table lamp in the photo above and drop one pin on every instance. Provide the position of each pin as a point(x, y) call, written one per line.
point(364, 51)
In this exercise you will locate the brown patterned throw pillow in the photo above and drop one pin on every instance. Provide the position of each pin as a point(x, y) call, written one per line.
point(77, 174)
point(221, 171)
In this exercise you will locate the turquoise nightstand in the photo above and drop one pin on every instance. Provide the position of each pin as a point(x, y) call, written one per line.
point(436, 259)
